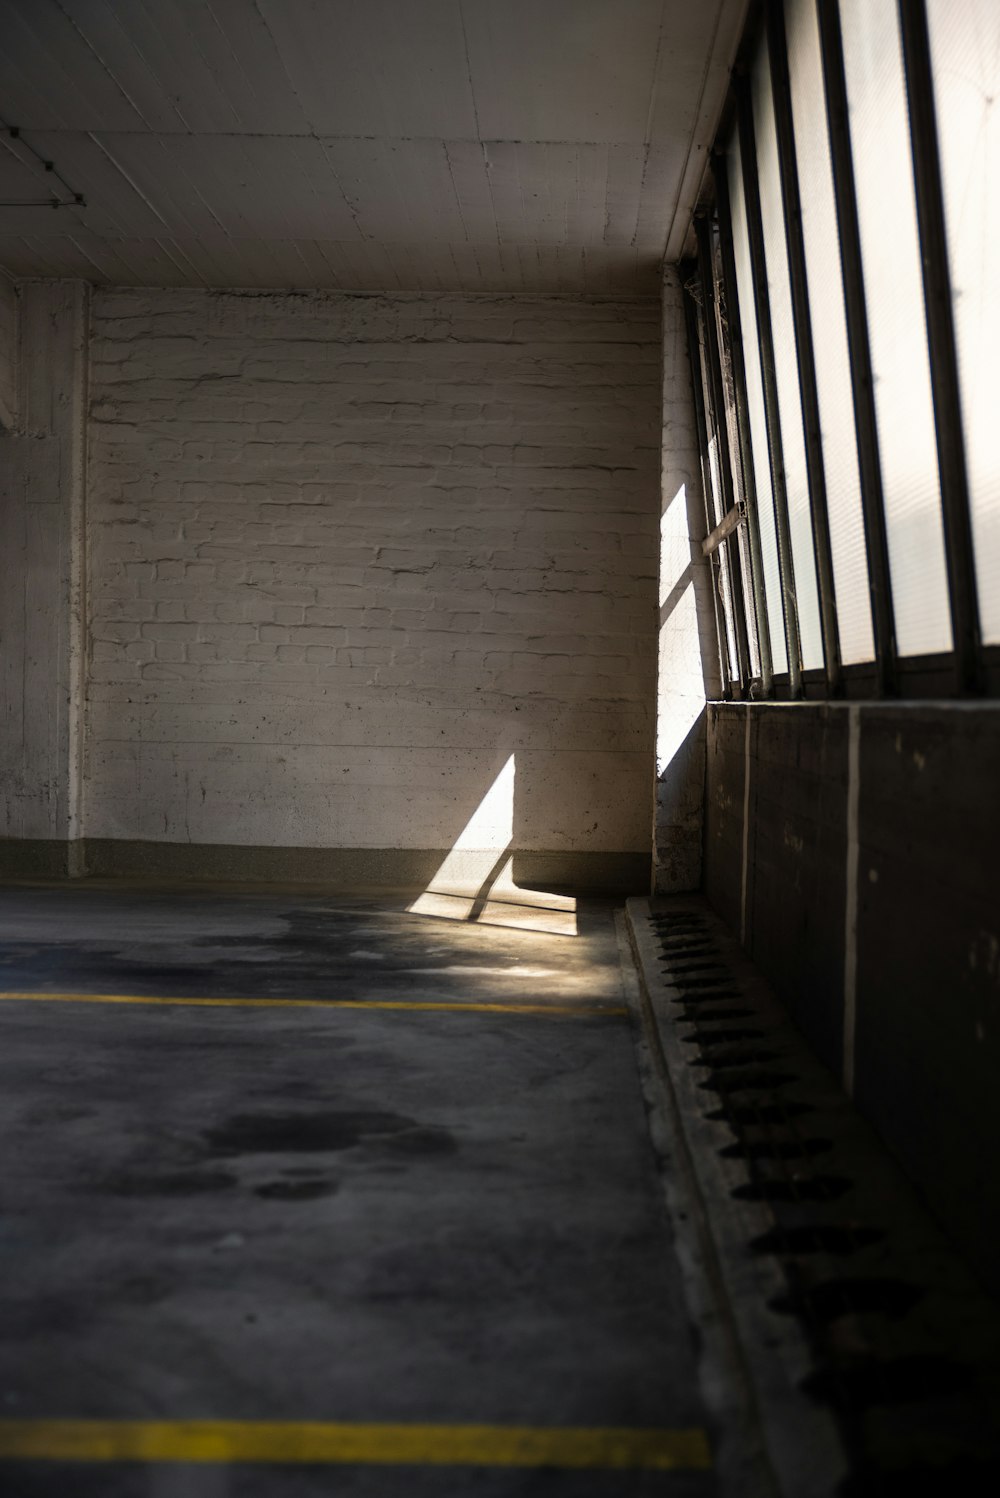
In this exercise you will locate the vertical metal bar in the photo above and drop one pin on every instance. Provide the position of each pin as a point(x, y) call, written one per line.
point(859, 349)
point(706, 273)
point(722, 208)
point(769, 380)
point(688, 272)
point(808, 389)
point(958, 539)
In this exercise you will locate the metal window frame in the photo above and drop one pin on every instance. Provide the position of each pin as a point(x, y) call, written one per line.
point(715, 336)
point(769, 379)
point(720, 173)
point(689, 274)
point(959, 547)
point(706, 277)
point(859, 347)
point(781, 97)
point(740, 531)
point(730, 522)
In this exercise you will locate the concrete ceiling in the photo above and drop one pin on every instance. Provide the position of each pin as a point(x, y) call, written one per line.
point(397, 145)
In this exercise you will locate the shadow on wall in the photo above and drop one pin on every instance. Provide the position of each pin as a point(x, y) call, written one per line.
point(680, 784)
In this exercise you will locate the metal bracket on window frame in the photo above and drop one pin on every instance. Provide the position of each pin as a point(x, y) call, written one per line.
point(729, 522)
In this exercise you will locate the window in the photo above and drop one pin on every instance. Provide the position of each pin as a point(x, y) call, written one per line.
point(831, 323)
point(829, 330)
point(755, 402)
point(965, 55)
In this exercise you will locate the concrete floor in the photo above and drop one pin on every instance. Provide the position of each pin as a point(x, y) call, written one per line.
point(302, 1213)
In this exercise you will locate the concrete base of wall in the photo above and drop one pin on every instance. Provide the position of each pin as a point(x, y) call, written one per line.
point(341, 868)
point(856, 851)
point(39, 858)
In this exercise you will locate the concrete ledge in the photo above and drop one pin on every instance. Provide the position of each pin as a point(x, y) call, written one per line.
point(616, 873)
point(584, 873)
point(773, 1151)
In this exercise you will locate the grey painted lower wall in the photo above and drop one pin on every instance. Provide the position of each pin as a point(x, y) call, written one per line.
point(576, 873)
point(857, 849)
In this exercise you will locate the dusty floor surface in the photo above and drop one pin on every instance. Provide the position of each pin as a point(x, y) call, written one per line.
point(287, 1212)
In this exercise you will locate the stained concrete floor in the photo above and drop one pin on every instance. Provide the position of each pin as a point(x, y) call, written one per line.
point(297, 1213)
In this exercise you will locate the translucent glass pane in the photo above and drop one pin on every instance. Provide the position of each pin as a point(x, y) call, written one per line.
point(727, 609)
point(716, 507)
point(829, 326)
point(753, 644)
point(965, 51)
point(755, 403)
point(745, 600)
point(715, 512)
point(786, 366)
point(883, 169)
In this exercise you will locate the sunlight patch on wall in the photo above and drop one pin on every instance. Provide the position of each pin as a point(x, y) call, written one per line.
point(476, 880)
point(681, 677)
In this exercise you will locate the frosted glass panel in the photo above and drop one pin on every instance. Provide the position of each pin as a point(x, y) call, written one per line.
point(829, 327)
point(727, 606)
point(740, 541)
point(746, 577)
point(716, 508)
point(755, 403)
point(786, 366)
point(883, 168)
point(965, 52)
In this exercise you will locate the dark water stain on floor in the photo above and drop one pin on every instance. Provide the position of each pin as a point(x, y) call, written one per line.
point(296, 1191)
point(170, 1183)
point(300, 1131)
point(141, 1290)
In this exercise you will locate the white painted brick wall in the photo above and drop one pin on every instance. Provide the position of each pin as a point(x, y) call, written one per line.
point(349, 553)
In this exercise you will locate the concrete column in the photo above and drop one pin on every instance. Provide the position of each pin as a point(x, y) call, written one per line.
point(42, 602)
point(688, 658)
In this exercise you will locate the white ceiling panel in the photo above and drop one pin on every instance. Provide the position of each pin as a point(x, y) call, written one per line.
point(382, 67)
point(22, 179)
point(114, 203)
point(564, 70)
point(398, 189)
point(119, 262)
point(467, 163)
point(250, 187)
point(691, 87)
point(413, 145)
point(562, 194)
point(343, 266)
point(190, 65)
point(50, 78)
point(663, 173)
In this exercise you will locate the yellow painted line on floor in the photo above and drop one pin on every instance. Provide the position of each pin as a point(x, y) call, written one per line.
point(579, 1011)
point(383, 1445)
